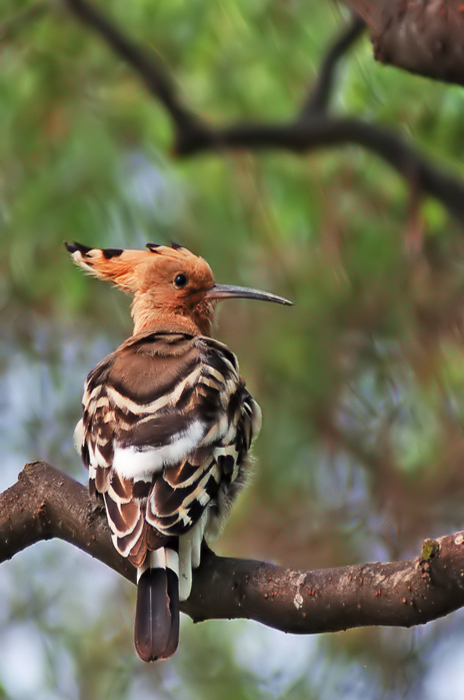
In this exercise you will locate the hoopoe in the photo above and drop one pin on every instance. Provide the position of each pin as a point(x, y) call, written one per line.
point(167, 426)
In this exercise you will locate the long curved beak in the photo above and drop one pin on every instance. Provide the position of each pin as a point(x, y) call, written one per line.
point(227, 291)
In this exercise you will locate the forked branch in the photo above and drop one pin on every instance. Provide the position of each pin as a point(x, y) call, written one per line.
point(310, 130)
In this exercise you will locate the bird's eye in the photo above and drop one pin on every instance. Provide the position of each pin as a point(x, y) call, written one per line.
point(180, 280)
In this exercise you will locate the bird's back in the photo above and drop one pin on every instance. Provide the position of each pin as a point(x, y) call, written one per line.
point(166, 430)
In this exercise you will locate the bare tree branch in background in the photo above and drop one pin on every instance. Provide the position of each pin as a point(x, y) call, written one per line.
point(311, 130)
point(321, 92)
point(46, 503)
point(157, 81)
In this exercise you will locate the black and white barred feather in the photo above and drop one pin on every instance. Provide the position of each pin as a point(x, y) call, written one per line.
point(166, 429)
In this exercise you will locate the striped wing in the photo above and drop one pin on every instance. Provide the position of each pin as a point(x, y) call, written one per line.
point(166, 429)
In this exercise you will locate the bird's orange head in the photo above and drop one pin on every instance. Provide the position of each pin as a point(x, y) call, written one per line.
point(171, 286)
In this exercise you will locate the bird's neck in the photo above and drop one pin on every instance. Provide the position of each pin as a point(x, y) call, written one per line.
point(154, 320)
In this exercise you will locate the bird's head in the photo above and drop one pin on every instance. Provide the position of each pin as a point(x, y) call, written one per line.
point(170, 285)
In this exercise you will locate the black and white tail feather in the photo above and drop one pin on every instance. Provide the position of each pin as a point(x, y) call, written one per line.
point(156, 632)
point(167, 426)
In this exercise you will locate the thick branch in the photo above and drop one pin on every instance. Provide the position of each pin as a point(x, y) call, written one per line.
point(311, 130)
point(45, 503)
point(422, 37)
point(323, 131)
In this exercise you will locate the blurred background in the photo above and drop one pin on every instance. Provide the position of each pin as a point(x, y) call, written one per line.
point(361, 383)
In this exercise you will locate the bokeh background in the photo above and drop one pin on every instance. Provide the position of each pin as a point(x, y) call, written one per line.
point(361, 383)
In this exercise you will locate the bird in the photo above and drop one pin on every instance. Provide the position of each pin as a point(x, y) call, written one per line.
point(167, 425)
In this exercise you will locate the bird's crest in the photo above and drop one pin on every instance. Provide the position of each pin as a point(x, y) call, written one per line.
point(132, 270)
point(169, 284)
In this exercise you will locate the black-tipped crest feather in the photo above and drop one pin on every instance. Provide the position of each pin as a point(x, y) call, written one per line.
point(109, 253)
point(75, 246)
point(153, 247)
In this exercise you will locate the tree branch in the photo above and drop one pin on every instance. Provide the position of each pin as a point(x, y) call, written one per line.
point(319, 96)
point(46, 503)
point(311, 130)
point(148, 68)
point(420, 37)
point(323, 131)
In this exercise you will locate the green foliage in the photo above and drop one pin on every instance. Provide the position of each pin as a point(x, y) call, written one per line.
point(361, 383)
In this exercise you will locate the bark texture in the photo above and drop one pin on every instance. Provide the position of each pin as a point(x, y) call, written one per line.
point(424, 37)
point(46, 503)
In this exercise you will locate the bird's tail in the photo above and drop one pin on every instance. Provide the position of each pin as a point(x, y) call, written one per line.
point(156, 632)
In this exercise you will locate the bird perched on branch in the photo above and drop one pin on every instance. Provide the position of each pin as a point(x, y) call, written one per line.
point(167, 426)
